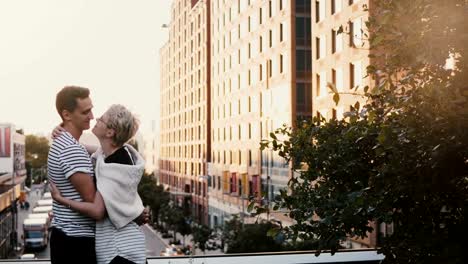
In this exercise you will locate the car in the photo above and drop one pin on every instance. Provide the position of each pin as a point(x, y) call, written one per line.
point(171, 251)
point(28, 256)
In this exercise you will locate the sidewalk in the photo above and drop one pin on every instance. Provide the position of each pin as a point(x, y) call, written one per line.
point(188, 241)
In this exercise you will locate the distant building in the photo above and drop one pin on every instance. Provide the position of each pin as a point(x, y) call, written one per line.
point(150, 149)
point(341, 59)
point(261, 79)
point(12, 177)
point(185, 145)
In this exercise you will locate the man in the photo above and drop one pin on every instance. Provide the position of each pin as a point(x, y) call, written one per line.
point(71, 170)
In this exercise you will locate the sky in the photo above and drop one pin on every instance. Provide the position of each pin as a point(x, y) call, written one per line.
point(109, 46)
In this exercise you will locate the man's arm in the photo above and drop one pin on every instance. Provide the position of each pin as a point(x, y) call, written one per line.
point(84, 184)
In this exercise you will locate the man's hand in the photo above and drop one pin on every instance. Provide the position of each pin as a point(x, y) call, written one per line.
point(143, 218)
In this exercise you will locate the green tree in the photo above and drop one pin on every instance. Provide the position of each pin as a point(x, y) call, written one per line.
point(153, 195)
point(175, 219)
point(402, 158)
point(249, 237)
point(37, 150)
point(201, 234)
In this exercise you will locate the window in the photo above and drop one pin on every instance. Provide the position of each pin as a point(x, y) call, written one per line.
point(281, 32)
point(321, 88)
point(320, 47)
point(270, 68)
point(260, 72)
point(335, 6)
point(355, 34)
point(319, 10)
point(303, 97)
point(271, 38)
point(337, 78)
point(355, 73)
point(260, 15)
point(303, 60)
point(248, 23)
point(303, 31)
point(270, 9)
point(337, 41)
point(260, 44)
point(250, 51)
point(281, 64)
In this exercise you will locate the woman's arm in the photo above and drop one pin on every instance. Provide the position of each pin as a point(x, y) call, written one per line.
point(95, 210)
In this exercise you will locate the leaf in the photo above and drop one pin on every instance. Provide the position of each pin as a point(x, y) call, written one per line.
point(273, 136)
point(340, 30)
point(250, 207)
point(336, 98)
point(357, 105)
point(366, 88)
point(273, 232)
point(332, 87)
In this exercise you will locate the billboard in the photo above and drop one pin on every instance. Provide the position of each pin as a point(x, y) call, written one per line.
point(5, 141)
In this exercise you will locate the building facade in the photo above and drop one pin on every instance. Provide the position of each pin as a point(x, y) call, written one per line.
point(185, 106)
point(339, 58)
point(261, 79)
point(12, 177)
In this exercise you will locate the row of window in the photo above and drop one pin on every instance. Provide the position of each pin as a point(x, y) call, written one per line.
point(227, 132)
point(183, 167)
point(176, 100)
point(234, 157)
point(355, 39)
point(195, 115)
point(337, 78)
point(251, 77)
point(273, 6)
point(195, 133)
point(195, 187)
point(335, 7)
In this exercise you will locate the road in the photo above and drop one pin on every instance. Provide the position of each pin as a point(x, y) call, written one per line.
point(34, 195)
point(154, 244)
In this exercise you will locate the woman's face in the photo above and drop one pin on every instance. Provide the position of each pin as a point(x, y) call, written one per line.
point(101, 127)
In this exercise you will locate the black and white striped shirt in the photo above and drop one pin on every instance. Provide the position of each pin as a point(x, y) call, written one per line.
point(67, 157)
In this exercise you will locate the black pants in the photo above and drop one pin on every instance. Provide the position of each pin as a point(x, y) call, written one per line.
point(66, 249)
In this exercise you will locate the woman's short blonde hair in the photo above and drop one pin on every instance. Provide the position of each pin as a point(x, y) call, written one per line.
point(124, 123)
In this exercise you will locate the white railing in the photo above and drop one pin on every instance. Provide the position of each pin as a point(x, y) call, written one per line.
point(351, 256)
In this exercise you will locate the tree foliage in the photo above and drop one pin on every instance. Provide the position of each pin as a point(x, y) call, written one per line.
point(400, 159)
point(175, 219)
point(248, 237)
point(201, 234)
point(153, 195)
point(37, 149)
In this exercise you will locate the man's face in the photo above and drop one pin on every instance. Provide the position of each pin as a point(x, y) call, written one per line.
point(83, 114)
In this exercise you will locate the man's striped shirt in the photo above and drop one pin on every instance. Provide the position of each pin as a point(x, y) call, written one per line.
point(67, 157)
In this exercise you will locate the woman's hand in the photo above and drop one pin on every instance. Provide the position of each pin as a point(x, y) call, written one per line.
point(58, 130)
point(55, 193)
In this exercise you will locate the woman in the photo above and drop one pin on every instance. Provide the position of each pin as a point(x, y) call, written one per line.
point(118, 168)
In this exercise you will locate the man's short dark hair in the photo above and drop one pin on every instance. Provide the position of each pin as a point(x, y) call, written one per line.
point(66, 98)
